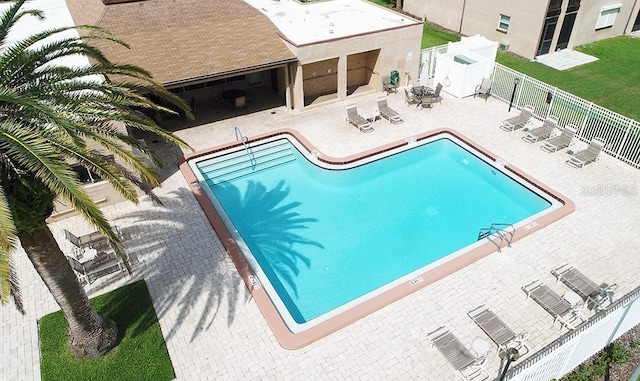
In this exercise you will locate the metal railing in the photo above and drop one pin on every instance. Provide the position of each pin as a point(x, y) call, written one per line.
point(245, 144)
point(502, 231)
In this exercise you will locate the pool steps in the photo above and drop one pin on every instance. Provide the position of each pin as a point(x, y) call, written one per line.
point(246, 161)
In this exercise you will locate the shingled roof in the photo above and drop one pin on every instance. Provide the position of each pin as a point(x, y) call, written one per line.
point(185, 40)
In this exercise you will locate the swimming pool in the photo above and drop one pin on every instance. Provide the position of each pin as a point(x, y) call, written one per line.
point(324, 238)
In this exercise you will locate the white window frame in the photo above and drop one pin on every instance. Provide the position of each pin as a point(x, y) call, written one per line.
point(608, 16)
point(504, 20)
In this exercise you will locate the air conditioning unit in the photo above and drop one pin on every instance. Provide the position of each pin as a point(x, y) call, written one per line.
point(503, 47)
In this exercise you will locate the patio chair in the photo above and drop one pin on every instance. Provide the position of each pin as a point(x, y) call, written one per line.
point(483, 88)
point(390, 82)
point(104, 264)
point(430, 98)
point(387, 112)
point(557, 306)
point(497, 330)
point(589, 155)
point(519, 121)
point(467, 366)
point(542, 132)
point(357, 120)
point(596, 297)
point(562, 141)
point(411, 99)
point(219, 101)
point(92, 240)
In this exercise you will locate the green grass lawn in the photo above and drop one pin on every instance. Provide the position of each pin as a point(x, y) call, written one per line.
point(141, 355)
point(612, 82)
point(432, 36)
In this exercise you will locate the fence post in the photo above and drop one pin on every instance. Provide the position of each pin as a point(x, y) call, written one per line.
point(624, 139)
point(553, 99)
point(521, 79)
point(584, 121)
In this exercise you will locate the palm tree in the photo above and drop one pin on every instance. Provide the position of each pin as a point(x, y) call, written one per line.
point(53, 118)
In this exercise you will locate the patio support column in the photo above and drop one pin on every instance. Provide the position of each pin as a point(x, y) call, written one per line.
point(298, 86)
point(342, 77)
point(288, 90)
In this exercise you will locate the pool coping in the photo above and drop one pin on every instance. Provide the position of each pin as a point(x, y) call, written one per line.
point(284, 336)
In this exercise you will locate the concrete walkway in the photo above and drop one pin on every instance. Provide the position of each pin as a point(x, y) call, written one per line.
point(215, 331)
point(565, 59)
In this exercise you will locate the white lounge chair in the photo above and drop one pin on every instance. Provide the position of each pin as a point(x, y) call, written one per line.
point(589, 155)
point(357, 120)
point(519, 121)
point(467, 366)
point(387, 112)
point(542, 132)
point(596, 297)
point(557, 306)
point(498, 331)
point(562, 141)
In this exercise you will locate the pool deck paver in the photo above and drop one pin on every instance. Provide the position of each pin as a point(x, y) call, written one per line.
point(215, 331)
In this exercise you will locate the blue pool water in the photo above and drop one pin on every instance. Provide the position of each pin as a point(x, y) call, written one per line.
point(324, 237)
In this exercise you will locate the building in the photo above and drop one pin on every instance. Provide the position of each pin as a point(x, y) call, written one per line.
point(300, 53)
point(534, 27)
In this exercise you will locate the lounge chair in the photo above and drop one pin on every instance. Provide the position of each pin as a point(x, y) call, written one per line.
point(557, 306)
point(483, 88)
point(497, 330)
point(542, 132)
point(411, 99)
point(357, 120)
point(596, 297)
point(104, 264)
point(430, 98)
point(93, 240)
point(467, 366)
point(519, 121)
point(562, 141)
point(387, 112)
point(588, 155)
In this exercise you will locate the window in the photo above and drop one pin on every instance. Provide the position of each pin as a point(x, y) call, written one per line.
point(608, 16)
point(504, 23)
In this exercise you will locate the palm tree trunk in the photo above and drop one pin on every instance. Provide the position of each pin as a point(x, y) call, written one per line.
point(90, 335)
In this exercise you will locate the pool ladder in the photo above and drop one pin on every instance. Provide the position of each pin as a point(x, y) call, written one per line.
point(245, 144)
point(498, 231)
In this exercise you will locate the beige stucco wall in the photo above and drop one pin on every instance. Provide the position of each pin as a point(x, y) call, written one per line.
point(527, 20)
point(483, 16)
point(584, 30)
point(444, 13)
point(399, 49)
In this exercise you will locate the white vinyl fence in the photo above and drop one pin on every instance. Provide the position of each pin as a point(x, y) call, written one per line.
point(621, 134)
point(574, 347)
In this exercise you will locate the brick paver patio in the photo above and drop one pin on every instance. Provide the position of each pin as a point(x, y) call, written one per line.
point(214, 330)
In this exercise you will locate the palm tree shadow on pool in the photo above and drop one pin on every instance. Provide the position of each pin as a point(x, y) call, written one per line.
point(269, 225)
